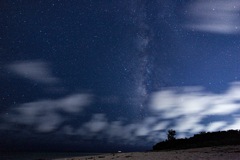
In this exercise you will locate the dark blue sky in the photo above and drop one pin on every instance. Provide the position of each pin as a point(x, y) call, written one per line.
point(116, 75)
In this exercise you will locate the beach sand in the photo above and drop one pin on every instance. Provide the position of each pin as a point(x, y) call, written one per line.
point(207, 153)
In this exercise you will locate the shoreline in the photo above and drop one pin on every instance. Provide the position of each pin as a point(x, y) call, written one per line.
point(210, 153)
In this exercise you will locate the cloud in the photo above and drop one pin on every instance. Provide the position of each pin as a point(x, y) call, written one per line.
point(100, 127)
point(189, 123)
point(34, 70)
point(97, 123)
point(234, 125)
point(216, 16)
point(188, 107)
point(188, 110)
point(44, 115)
point(160, 126)
point(216, 126)
point(173, 103)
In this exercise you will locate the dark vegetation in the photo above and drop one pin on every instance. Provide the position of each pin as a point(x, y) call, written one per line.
point(171, 135)
point(203, 139)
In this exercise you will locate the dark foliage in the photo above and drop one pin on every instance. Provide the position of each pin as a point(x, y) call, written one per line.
point(171, 135)
point(203, 139)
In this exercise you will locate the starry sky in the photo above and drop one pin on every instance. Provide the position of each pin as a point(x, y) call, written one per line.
point(110, 75)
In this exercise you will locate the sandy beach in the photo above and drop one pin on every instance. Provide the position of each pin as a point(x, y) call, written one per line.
point(207, 153)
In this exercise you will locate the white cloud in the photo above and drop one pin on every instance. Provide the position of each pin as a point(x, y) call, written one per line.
point(115, 129)
point(182, 109)
point(74, 103)
point(215, 126)
point(164, 98)
point(143, 131)
point(48, 122)
point(187, 108)
point(44, 115)
point(222, 109)
point(97, 123)
point(160, 126)
point(34, 70)
point(216, 16)
point(173, 103)
point(189, 123)
point(234, 125)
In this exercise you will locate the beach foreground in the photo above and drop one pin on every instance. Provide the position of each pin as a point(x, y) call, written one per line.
point(210, 153)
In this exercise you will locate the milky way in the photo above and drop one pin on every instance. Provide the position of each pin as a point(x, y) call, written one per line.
point(116, 75)
point(142, 36)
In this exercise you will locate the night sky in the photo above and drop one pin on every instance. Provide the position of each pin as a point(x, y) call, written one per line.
point(109, 75)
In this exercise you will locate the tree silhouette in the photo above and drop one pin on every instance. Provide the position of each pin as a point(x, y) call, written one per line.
point(202, 139)
point(203, 132)
point(171, 135)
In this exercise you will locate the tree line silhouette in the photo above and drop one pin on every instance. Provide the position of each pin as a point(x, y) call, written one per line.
point(203, 139)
